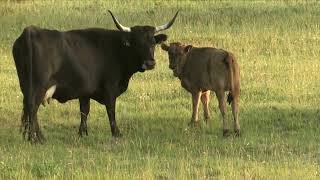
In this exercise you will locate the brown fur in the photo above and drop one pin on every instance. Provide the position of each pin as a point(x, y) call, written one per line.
point(203, 69)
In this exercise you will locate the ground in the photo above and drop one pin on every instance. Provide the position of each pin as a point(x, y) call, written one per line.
point(277, 45)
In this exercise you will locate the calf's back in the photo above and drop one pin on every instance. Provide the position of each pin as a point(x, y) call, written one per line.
point(206, 69)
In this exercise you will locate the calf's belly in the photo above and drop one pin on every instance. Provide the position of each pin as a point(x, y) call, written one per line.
point(196, 85)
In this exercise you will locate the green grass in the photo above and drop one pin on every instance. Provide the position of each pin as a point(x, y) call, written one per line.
point(277, 45)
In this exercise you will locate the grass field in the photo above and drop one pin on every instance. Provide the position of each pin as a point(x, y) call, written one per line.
point(277, 44)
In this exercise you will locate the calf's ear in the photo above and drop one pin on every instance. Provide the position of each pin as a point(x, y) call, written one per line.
point(160, 38)
point(164, 47)
point(187, 48)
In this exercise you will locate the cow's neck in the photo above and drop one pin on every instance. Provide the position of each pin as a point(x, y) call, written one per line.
point(130, 59)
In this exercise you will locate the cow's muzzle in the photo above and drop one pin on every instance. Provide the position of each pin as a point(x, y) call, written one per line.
point(148, 65)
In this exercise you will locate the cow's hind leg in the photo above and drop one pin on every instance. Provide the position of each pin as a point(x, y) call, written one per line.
point(205, 97)
point(34, 133)
point(222, 106)
point(24, 122)
point(195, 106)
point(84, 111)
point(32, 98)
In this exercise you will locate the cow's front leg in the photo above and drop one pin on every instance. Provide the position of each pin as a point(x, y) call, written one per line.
point(195, 106)
point(84, 111)
point(111, 109)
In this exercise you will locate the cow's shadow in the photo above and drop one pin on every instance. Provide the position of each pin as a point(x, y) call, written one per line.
point(256, 122)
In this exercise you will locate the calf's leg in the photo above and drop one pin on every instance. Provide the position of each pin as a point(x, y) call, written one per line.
point(195, 107)
point(235, 112)
point(205, 97)
point(222, 106)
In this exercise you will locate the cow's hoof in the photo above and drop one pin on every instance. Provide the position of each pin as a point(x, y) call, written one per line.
point(116, 134)
point(25, 135)
point(83, 132)
point(237, 132)
point(24, 129)
point(225, 133)
point(36, 137)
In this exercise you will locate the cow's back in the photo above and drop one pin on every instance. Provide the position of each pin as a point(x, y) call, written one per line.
point(75, 61)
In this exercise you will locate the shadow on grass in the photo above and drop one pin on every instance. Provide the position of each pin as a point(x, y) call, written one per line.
point(283, 121)
point(269, 133)
point(256, 122)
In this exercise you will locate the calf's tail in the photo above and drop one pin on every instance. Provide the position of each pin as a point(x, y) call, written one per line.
point(230, 98)
point(229, 60)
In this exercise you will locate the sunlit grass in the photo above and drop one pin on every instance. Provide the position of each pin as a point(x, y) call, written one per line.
point(277, 45)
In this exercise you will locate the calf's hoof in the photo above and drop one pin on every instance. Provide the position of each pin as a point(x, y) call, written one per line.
point(206, 120)
point(193, 123)
point(225, 133)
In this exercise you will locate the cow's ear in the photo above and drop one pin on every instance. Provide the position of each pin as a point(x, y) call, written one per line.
point(160, 38)
point(164, 47)
point(187, 48)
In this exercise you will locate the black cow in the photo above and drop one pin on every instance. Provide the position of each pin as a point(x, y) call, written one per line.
point(81, 64)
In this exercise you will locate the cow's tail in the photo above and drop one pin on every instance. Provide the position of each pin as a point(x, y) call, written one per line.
point(28, 68)
point(230, 61)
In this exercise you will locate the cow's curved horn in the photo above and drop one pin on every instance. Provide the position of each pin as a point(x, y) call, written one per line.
point(167, 25)
point(119, 26)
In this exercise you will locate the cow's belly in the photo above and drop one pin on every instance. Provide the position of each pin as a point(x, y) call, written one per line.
point(68, 92)
point(64, 94)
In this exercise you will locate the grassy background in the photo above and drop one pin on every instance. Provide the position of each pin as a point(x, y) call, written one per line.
point(277, 45)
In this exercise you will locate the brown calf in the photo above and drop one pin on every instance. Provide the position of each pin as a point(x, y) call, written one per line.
point(203, 69)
